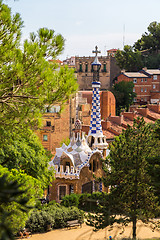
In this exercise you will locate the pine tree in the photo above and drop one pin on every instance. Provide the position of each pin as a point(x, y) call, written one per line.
point(131, 192)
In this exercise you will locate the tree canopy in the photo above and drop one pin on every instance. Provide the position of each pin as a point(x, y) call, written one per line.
point(123, 92)
point(150, 40)
point(144, 52)
point(18, 194)
point(29, 84)
point(132, 195)
point(28, 80)
point(129, 59)
point(25, 152)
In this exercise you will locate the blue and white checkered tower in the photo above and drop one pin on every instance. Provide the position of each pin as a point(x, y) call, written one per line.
point(96, 139)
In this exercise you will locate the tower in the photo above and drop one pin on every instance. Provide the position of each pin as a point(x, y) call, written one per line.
point(96, 139)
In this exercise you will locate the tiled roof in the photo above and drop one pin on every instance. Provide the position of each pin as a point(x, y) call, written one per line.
point(111, 50)
point(109, 135)
point(152, 71)
point(127, 121)
point(154, 114)
point(135, 74)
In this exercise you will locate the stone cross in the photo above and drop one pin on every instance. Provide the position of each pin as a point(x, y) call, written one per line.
point(96, 51)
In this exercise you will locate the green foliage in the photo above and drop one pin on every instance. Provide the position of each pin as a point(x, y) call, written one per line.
point(71, 200)
point(154, 161)
point(28, 80)
point(123, 92)
point(10, 193)
point(131, 191)
point(150, 40)
point(86, 201)
point(65, 141)
point(51, 45)
point(39, 220)
point(144, 53)
point(129, 59)
point(18, 190)
point(25, 152)
point(55, 215)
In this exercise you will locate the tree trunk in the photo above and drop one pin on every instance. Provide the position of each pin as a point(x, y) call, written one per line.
point(134, 227)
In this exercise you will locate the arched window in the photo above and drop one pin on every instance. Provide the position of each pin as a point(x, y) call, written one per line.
point(90, 166)
point(94, 165)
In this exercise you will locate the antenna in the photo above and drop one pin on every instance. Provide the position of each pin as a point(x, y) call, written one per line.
point(105, 48)
point(123, 35)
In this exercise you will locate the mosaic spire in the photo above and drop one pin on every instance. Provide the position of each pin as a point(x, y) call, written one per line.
point(95, 123)
point(96, 139)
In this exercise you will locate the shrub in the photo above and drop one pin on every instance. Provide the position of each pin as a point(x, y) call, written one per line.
point(55, 215)
point(70, 200)
point(86, 201)
point(39, 220)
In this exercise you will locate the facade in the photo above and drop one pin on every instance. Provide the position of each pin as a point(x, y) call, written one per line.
point(75, 164)
point(154, 74)
point(84, 71)
point(57, 125)
point(146, 84)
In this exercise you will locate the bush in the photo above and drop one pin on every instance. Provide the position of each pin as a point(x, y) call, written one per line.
point(54, 215)
point(90, 202)
point(39, 220)
point(86, 201)
point(70, 200)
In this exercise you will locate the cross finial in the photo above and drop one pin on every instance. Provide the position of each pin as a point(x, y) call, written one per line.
point(96, 51)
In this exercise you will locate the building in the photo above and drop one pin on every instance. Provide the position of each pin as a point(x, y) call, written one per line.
point(57, 125)
point(146, 84)
point(75, 164)
point(84, 71)
point(154, 74)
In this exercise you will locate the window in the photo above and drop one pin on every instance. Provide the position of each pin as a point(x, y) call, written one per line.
point(104, 68)
point(80, 67)
point(90, 166)
point(71, 189)
point(134, 100)
point(142, 80)
point(154, 77)
point(145, 89)
point(145, 99)
point(133, 89)
point(48, 123)
point(94, 165)
point(53, 109)
point(134, 80)
point(145, 80)
point(86, 70)
point(91, 68)
point(141, 99)
point(154, 86)
point(62, 192)
point(45, 138)
point(141, 89)
point(72, 120)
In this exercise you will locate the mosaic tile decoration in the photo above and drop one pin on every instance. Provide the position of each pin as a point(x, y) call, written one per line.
point(95, 123)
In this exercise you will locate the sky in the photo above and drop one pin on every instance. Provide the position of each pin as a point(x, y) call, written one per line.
point(87, 23)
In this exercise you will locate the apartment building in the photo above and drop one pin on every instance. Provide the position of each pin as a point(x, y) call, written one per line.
point(146, 84)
